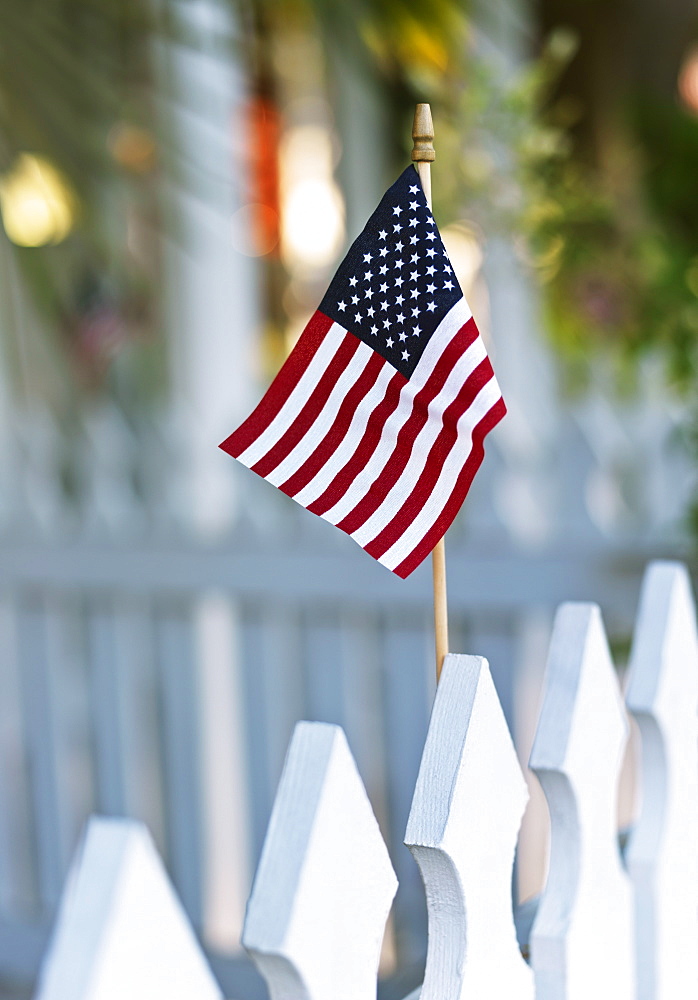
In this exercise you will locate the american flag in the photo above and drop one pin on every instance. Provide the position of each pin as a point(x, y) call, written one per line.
point(376, 421)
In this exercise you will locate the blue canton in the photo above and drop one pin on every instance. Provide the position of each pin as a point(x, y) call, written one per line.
point(396, 283)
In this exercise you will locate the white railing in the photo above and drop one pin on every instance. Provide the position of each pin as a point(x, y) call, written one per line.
point(604, 927)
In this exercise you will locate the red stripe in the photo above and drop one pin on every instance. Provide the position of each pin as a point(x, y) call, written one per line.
point(311, 408)
point(455, 501)
point(339, 428)
point(407, 435)
point(282, 386)
point(374, 425)
point(435, 461)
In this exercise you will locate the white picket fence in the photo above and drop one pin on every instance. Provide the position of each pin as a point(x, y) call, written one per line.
point(604, 927)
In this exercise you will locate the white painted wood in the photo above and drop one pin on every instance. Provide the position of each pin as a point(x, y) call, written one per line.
point(121, 931)
point(409, 683)
point(179, 707)
point(466, 812)
point(206, 279)
point(39, 655)
point(662, 854)
point(323, 889)
point(108, 714)
point(582, 937)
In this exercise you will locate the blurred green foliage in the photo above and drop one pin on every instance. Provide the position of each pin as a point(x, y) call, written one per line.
point(76, 89)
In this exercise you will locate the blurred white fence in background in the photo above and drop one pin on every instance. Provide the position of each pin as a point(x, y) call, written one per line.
point(144, 673)
point(602, 926)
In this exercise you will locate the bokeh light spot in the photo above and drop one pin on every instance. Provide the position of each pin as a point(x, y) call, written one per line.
point(37, 206)
point(688, 81)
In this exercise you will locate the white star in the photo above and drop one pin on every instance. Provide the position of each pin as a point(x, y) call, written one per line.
point(447, 269)
point(414, 276)
point(352, 281)
point(430, 221)
point(414, 206)
point(354, 299)
point(384, 287)
point(367, 257)
point(398, 281)
point(357, 317)
point(414, 258)
point(400, 318)
point(413, 238)
point(384, 251)
point(415, 312)
point(448, 284)
point(414, 189)
point(431, 289)
point(431, 236)
point(389, 342)
point(397, 227)
point(431, 269)
point(413, 223)
point(431, 252)
point(398, 247)
point(368, 275)
point(374, 329)
point(416, 332)
point(382, 234)
point(368, 293)
point(370, 311)
point(405, 356)
point(384, 268)
point(431, 306)
point(403, 336)
point(399, 263)
point(399, 300)
point(397, 210)
point(386, 323)
point(384, 305)
point(341, 306)
point(414, 292)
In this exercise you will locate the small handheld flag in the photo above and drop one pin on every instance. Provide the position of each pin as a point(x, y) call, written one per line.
point(376, 421)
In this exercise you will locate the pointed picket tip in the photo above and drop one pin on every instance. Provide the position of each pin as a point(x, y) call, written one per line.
point(663, 673)
point(662, 851)
point(582, 935)
point(324, 886)
point(462, 830)
point(121, 931)
point(582, 722)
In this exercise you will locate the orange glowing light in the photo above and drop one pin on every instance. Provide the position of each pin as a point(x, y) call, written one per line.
point(688, 81)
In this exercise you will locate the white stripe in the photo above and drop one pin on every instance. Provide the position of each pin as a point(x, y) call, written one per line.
point(442, 336)
point(322, 423)
point(298, 398)
point(357, 428)
point(422, 446)
point(457, 457)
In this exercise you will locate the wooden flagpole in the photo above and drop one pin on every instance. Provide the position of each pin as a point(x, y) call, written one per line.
point(423, 154)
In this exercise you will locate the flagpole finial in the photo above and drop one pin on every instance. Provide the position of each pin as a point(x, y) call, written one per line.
point(423, 134)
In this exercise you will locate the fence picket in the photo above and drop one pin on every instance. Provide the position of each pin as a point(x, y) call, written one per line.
point(107, 707)
point(273, 702)
point(38, 625)
point(467, 808)
point(662, 853)
point(181, 750)
point(582, 936)
point(408, 687)
point(323, 889)
point(121, 931)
